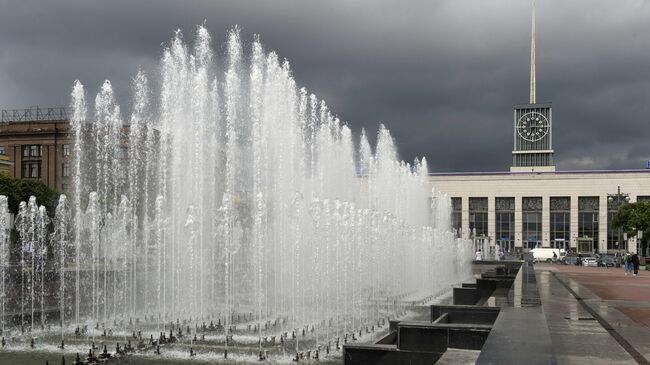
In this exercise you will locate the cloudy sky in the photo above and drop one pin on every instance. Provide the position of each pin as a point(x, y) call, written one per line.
point(441, 74)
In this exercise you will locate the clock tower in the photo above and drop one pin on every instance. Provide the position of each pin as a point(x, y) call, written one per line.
point(533, 147)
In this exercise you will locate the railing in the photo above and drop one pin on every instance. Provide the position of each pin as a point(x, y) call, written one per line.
point(34, 113)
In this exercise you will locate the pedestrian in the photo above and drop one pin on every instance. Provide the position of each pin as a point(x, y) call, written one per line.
point(627, 263)
point(554, 257)
point(634, 260)
point(479, 255)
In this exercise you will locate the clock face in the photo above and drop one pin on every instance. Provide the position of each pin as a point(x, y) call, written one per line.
point(533, 126)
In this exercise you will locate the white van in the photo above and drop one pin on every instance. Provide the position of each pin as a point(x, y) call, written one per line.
point(545, 254)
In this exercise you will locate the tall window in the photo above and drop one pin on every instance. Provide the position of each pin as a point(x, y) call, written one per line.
point(478, 216)
point(457, 215)
point(532, 222)
point(66, 150)
point(2, 150)
point(560, 222)
point(66, 169)
point(31, 169)
point(615, 238)
point(588, 207)
point(34, 150)
point(505, 223)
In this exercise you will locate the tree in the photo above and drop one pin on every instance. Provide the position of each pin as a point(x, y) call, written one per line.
point(632, 218)
point(18, 190)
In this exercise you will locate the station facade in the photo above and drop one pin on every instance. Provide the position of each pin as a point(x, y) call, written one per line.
point(533, 205)
point(560, 209)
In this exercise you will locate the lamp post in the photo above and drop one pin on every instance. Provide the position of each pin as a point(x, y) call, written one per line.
point(617, 200)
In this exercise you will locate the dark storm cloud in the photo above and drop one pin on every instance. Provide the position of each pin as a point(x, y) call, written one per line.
point(442, 75)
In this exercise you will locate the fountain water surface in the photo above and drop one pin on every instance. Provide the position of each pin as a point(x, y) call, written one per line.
point(230, 210)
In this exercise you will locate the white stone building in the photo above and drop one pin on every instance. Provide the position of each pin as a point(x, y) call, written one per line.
point(535, 205)
point(566, 209)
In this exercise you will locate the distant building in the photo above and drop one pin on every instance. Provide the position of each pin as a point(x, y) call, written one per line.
point(38, 142)
point(533, 205)
point(563, 209)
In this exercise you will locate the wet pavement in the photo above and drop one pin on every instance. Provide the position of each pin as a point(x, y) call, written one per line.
point(596, 315)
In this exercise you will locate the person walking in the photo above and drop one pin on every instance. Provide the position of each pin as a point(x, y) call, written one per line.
point(634, 260)
point(627, 263)
point(479, 255)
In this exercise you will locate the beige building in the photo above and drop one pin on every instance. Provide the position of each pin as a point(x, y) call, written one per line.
point(563, 209)
point(37, 141)
point(533, 205)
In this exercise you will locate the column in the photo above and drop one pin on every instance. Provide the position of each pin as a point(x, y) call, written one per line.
point(47, 166)
point(492, 220)
point(465, 216)
point(18, 161)
point(518, 226)
point(632, 242)
point(546, 221)
point(574, 222)
point(602, 224)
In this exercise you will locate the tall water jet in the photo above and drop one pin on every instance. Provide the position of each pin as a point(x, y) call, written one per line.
point(42, 223)
point(60, 238)
point(4, 255)
point(78, 106)
point(230, 195)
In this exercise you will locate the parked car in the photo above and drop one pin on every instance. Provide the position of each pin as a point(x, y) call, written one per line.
point(590, 261)
point(568, 260)
point(608, 261)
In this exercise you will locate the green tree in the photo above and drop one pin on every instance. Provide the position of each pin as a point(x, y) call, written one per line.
point(632, 218)
point(18, 190)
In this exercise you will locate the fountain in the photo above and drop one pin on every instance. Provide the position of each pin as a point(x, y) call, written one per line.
point(229, 196)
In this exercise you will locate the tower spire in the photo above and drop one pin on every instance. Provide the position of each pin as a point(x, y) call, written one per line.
point(533, 82)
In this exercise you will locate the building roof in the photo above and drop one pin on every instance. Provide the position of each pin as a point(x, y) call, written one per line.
point(547, 173)
point(35, 114)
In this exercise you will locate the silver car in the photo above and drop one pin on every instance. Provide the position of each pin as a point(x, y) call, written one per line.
point(589, 261)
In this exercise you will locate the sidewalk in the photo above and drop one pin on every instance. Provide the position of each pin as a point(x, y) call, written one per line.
point(615, 326)
point(628, 294)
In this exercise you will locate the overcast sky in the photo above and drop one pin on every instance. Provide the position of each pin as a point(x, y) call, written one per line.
point(441, 74)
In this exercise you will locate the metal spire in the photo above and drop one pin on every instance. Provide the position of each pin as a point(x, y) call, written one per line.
point(533, 82)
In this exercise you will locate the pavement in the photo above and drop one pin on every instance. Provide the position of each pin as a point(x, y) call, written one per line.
point(596, 315)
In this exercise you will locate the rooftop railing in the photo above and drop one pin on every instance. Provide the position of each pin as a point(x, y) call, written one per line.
point(35, 114)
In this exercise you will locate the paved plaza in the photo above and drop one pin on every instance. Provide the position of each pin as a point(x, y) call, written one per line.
point(596, 315)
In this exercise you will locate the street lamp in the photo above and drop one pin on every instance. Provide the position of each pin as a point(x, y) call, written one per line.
point(616, 201)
